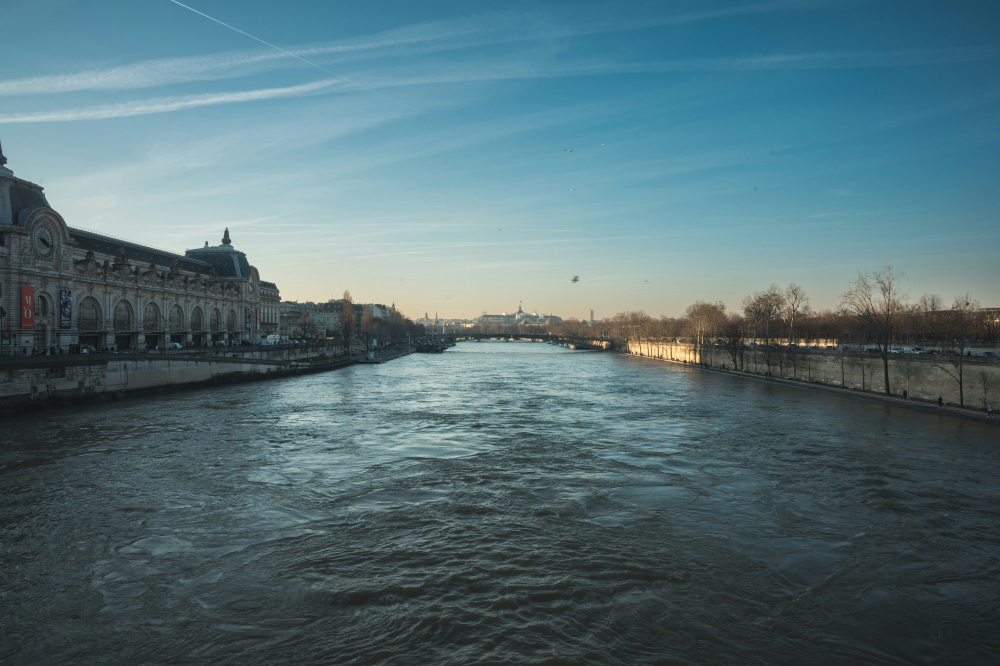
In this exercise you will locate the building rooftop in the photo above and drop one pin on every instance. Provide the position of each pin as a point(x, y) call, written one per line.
point(140, 254)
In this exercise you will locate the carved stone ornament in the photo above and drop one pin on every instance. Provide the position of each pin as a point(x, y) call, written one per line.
point(150, 277)
point(88, 266)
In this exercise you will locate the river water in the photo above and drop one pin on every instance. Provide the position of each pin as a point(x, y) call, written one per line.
point(499, 503)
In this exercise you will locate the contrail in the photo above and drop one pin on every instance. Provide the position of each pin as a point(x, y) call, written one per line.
point(339, 76)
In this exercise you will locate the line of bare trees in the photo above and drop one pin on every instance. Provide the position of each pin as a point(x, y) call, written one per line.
point(874, 314)
point(371, 328)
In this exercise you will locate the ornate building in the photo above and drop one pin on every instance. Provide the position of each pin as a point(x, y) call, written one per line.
point(62, 287)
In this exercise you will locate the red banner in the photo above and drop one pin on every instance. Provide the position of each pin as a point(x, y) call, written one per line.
point(27, 307)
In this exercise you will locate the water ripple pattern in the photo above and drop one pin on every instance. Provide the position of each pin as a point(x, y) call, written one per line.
point(499, 503)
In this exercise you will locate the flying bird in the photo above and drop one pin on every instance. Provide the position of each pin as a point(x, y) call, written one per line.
point(568, 150)
point(576, 278)
point(572, 189)
point(602, 144)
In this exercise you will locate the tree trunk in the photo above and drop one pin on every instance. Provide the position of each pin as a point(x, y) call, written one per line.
point(885, 366)
point(961, 381)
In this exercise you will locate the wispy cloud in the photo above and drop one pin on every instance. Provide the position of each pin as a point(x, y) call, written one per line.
point(471, 71)
point(165, 104)
point(422, 38)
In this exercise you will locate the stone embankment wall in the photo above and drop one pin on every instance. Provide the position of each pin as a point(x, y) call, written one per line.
point(924, 377)
point(38, 379)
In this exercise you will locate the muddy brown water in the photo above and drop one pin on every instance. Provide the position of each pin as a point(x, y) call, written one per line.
point(499, 503)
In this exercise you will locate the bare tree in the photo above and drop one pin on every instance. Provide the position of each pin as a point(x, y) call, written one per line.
point(347, 320)
point(874, 298)
point(773, 300)
point(843, 362)
point(869, 364)
point(753, 310)
point(796, 301)
point(367, 327)
point(906, 364)
point(963, 310)
point(858, 360)
point(928, 305)
point(734, 336)
point(307, 323)
point(985, 384)
point(704, 320)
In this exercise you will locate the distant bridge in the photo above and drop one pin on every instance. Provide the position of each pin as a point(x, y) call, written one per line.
point(572, 342)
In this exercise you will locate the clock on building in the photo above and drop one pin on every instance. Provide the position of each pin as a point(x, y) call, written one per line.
point(42, 240)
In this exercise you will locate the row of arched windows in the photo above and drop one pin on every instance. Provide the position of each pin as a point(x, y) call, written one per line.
point(90, 318)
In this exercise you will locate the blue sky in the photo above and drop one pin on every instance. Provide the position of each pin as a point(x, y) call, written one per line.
point(717, 147)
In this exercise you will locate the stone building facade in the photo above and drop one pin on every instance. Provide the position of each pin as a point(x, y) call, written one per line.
point(63, 287)
point(270, 310)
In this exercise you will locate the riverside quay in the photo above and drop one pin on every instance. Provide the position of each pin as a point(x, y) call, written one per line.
point(64, 288)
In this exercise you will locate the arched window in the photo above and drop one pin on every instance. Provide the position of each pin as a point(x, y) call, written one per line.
point(151, 318)
point(176, 319)
point(123, 317)
point(216, 321)
point(231, 321)
point(196, 323)
point(90, 315)
point(41, 306)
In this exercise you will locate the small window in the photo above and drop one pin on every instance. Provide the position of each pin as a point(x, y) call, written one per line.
point(41, 307)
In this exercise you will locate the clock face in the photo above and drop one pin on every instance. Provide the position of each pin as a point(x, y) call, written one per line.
point(43, 241)
point(250, 285)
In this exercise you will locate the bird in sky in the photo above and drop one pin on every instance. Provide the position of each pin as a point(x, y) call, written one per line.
point(602, 144)
point(568, 150)
point(576, 278)
point(572, 189)
point(645, 280)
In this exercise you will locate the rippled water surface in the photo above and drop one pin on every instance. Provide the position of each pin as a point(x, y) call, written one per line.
point(499, 503)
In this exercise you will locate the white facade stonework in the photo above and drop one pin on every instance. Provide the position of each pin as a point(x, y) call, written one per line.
point(120, 294)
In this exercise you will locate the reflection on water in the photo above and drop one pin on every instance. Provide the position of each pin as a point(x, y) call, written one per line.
point(502, 502)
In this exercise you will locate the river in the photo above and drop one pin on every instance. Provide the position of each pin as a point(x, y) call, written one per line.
point(499, 503)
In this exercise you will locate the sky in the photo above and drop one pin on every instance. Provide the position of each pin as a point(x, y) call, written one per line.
point(462, 157)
